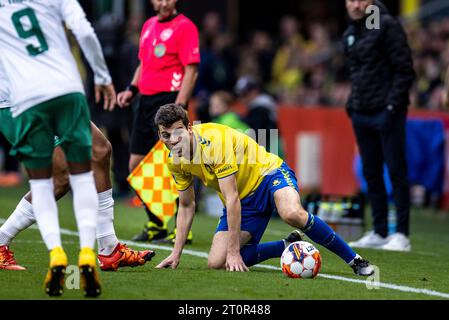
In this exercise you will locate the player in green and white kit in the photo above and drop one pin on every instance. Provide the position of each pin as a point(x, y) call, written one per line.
point(48, 100)
point(112, 254)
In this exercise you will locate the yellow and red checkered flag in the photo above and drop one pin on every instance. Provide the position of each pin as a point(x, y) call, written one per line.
point(154, 184)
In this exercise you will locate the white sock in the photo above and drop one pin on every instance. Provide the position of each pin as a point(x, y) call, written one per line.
point(106, 238)
point(352, 261)
point(46, 211)
point(85, 205)
point(19, 220)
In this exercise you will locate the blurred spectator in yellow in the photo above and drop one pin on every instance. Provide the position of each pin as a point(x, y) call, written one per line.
point(289, 60)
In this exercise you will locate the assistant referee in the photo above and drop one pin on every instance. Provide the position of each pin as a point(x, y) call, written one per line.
point(169, 57)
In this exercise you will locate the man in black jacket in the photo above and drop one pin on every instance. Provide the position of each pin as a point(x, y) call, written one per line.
point(381, 71)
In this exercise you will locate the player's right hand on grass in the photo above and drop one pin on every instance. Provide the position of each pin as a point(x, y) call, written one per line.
point(234, 262)
point(124, 98)
point(171, 261)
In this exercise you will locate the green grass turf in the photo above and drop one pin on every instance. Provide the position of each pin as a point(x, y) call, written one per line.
point(424, 268)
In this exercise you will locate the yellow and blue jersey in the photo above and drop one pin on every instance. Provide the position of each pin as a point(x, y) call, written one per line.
point(220, 151)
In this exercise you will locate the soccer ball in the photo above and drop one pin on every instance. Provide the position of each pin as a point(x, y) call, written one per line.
point(301, 260)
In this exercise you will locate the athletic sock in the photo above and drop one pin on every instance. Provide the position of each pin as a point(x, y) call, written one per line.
point(85, 205)
point(357, 256)
point(106, 238)
point(318, 231)
point(19, 220)
point(46, 211)
point(255, 253)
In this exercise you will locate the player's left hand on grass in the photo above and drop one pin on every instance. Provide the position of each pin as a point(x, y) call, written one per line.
point(171, 261)
point(109, 96)
point(234, 262)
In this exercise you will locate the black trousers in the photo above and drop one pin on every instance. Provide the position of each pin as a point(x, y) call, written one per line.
point(144, 133)
point(381, 139)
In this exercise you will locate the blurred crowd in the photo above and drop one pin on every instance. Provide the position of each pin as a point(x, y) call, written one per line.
point(303, 65)
point(430, 48)
point(300, 66)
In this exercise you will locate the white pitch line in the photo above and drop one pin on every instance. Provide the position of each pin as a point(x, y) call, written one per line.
point(327, 276)
point(376, 284)
point(323, 275)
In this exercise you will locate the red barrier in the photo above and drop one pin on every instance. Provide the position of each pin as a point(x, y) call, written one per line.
point(332, 130)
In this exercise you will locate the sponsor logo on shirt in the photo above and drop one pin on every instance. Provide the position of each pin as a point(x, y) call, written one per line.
point(276, 182)
point(287, 177)
point(166, 34)
point(160, 50)
point(228, 167)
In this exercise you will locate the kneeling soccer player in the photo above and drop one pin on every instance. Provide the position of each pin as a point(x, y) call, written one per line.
point(251, 182)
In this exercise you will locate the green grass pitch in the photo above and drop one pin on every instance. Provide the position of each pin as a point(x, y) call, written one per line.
point(421, 274)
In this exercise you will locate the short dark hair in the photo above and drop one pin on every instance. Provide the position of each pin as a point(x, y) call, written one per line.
point(169, 114)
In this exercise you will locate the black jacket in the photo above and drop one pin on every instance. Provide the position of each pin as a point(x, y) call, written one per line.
point(380, 64)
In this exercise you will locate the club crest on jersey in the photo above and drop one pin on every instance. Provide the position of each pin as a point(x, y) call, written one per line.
point(166, 34)
point(160, 50)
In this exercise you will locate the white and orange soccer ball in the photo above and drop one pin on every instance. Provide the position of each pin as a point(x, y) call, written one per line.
point(301, 260)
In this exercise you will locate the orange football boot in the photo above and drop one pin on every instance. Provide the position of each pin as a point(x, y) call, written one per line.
point(122, 256)
point(7, 261)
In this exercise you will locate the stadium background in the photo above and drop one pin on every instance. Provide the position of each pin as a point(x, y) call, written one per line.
point(295, 50)
point(319, 146)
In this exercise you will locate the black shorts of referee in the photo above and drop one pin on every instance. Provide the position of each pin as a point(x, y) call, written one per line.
point(144, 132)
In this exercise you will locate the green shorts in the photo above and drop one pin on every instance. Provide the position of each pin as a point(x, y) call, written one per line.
point(66, 117)
point(7, 124)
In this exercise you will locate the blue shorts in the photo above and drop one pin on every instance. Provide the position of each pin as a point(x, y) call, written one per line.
point(259, 206)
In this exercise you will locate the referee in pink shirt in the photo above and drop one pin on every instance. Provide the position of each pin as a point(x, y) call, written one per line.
point(169, 57)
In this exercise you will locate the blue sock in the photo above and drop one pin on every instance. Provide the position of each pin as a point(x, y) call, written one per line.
point(318, 231)
point(255, 253)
